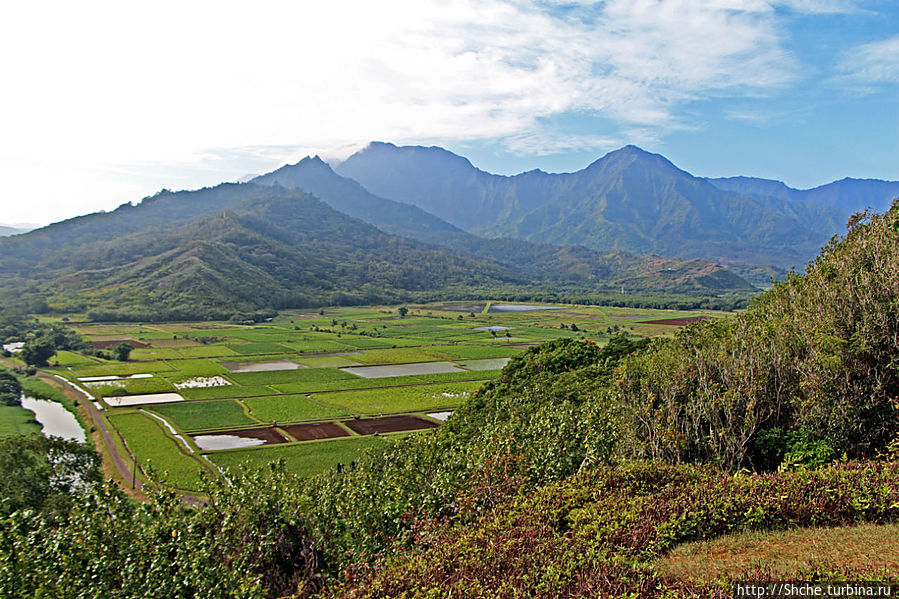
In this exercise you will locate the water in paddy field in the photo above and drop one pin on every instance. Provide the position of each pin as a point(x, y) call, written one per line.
point(519, 308)
point(217, 442)
point(267, 366)
point(55, 419)
point(378, 372)
point(136, 400)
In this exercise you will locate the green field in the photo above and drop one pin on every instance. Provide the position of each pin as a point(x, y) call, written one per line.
point(196, 415)
point(158, 452)
point(400, 399)
point(16, 420)
point(292, 408)
point(303, 459)
point(362, 336)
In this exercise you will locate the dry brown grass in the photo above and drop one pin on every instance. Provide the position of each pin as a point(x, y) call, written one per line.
point(862, 549)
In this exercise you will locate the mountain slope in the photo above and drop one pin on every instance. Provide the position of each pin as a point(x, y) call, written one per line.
point(629, 199)
point(287, 250)
point(347, 196)
point(572, 264)
point(6, 230)
point(845, 196)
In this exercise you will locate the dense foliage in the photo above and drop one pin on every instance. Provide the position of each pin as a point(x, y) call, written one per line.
point(597, 533)
point(247, 543)
point(44, 474)
point(815, 357)
point(10, 389)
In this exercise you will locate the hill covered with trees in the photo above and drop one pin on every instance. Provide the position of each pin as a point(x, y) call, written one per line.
point(236, 248)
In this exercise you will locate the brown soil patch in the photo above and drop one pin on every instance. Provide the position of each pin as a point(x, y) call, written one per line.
point(676, 322)
point(113, 342)
point(462, 307)
point(319, 430)
point(269, 435)
point(389, 424)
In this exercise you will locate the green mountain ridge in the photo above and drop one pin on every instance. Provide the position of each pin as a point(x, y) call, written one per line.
point(629, 199)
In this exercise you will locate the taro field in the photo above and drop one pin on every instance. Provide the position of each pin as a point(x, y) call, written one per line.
point(312, 388)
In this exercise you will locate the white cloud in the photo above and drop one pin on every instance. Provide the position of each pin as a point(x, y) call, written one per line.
point(98, 85)
point(822, 7)
point(870, 65)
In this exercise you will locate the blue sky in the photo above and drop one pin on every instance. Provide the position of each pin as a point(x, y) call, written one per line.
point(108, 102)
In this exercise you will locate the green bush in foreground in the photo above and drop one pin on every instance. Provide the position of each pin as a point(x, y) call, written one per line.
point(249, 542)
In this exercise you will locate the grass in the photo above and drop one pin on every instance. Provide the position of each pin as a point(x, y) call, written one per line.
point(786, 554)
point(402, 355)
point(291, 408)
point(154, 449)
point(195, 415)
point(328, 361)
point(303, 459)
point(226, 392)
point(176, 355)
point(196, 367)
point(400, 399)
point(259, 348)
point(449, 377)
point(68, 358)
point(16, 420)
point(478, 352)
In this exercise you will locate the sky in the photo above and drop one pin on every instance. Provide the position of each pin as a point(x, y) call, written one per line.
point(104, 103)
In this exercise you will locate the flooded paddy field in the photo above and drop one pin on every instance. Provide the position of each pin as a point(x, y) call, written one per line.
point(379, 372)
point(331, 377)
point(238, 439)
point(266, 366)
point(137, 400)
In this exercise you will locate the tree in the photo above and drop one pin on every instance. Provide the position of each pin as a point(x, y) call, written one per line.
point(403, 311)
point(10, 389)
point(122, 352)
point(44, 473)
point(38, 351)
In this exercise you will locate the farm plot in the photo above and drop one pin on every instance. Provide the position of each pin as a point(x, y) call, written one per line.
point(158, 452)
point(197, 415)
point(389, 424)
point(400, 399)
point(412, 369)
point(291, 408)
point(316, 430)
point(311, 381)
point(303, 459)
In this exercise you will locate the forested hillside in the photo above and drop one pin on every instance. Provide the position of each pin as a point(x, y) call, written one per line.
point(232, 248)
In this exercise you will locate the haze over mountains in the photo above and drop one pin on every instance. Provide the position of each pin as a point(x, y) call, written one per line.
point(399, 223)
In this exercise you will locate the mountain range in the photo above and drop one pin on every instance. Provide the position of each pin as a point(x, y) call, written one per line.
point(396, 224)
point(629, 199)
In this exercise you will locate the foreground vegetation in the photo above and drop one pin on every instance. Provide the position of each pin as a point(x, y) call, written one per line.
point(573, 473)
